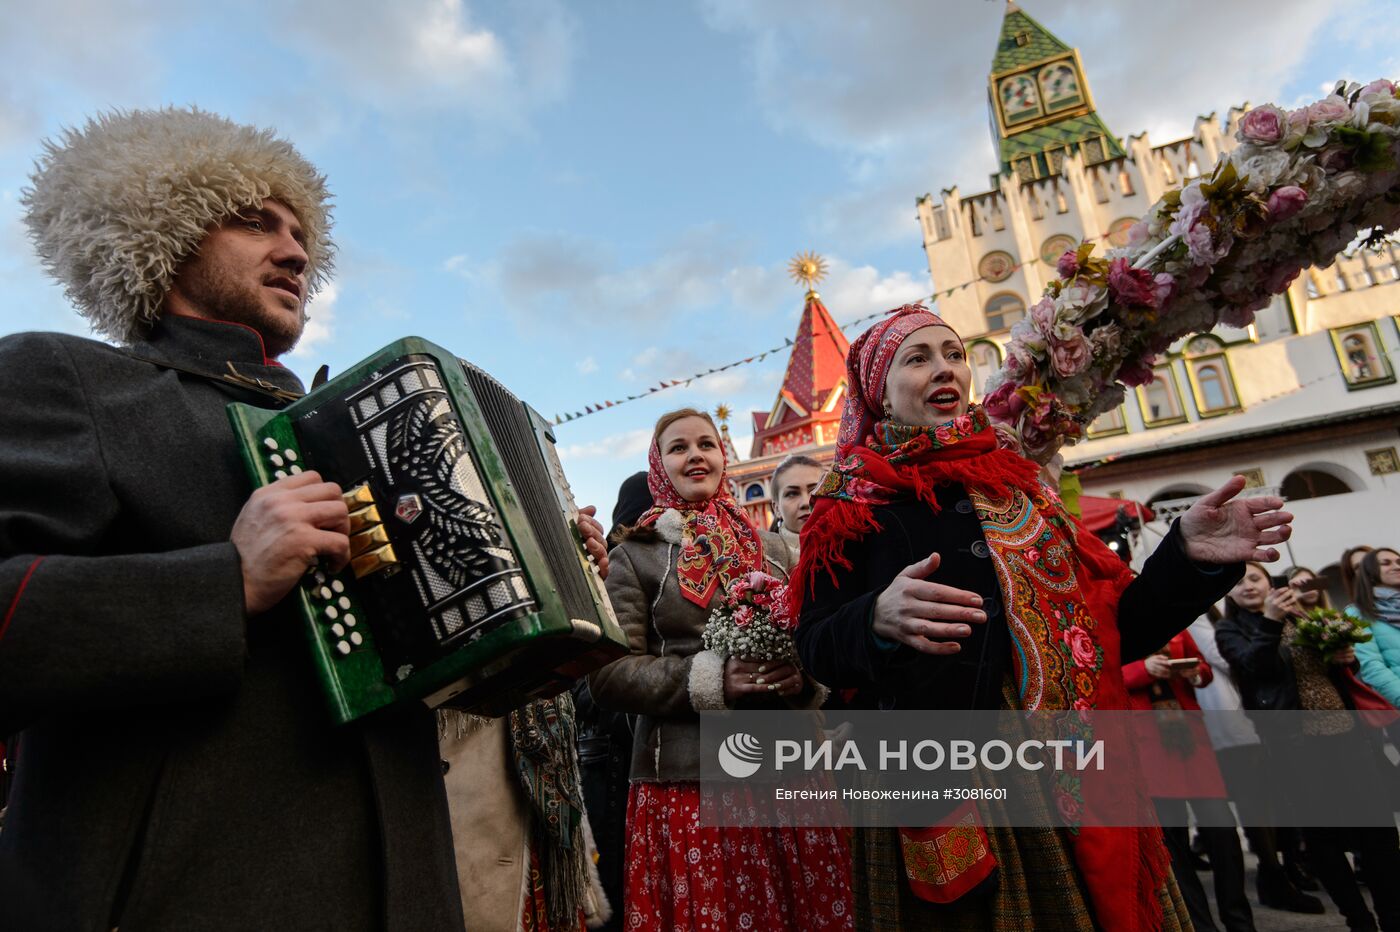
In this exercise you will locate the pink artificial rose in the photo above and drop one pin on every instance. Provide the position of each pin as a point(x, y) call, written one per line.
point(1133, 287)
point(1004, 404)
point(1068, 264)
point(760, 582)
point(1081, 647)
point(1042, 314)
point(1381, 86)
point(1264, 125)
point(1286, 201)
point(1072, 356)
point(1138, 232)
point(1330, 109)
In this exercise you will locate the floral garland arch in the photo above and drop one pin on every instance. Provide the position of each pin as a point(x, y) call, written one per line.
point(1297, 191)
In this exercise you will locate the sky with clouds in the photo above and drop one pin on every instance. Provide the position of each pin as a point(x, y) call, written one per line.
point(588, 198)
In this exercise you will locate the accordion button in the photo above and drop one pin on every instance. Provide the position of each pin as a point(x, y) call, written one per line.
point(270, 443)
point(336, 585)
point(332, 612)
point(296, 470)
point(324, 592)
point(280, 474)
point(320, 578)
point(277, 460)
point(343, 647)
point(344, 603)
point(349, 621)
point(291, 455)
point(338, 630)
point(356, 638)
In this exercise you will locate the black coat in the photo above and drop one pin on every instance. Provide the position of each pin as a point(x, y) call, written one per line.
point(175, 767)
point(1260, 663)
point(837, 646)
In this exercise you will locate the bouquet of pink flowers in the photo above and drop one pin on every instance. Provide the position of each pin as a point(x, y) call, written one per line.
point(1328, 631)
point(1301, 187)
point(753, 621)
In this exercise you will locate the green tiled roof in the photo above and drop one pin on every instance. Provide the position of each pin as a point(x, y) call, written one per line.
point(1042, 44)
point(1061, 133)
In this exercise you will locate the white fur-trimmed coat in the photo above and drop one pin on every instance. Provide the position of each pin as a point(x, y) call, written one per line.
point(668, 679)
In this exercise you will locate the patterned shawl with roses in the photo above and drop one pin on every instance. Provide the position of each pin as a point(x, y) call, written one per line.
point(1060, 586)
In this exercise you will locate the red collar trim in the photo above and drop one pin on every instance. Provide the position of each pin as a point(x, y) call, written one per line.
point(262, 347)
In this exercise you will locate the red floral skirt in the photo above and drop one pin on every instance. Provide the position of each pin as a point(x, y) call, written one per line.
point(680, 875)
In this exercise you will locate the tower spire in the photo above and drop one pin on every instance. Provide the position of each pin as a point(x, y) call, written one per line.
point(1041, 107)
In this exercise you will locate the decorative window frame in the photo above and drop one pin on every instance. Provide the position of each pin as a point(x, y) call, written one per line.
point(996, 350)
point(1091, 434)
point(1145, 408)
point(1218, 356)
point(1025, 309)
point(1385, 377)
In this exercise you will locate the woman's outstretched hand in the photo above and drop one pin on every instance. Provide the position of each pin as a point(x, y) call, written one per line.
point(924, 614)
point(1222, 529)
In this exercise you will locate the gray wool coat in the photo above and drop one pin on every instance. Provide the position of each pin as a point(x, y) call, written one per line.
point(669, 678)
point(175, 768)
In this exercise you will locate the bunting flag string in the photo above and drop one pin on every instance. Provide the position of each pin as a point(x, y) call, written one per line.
point(787, 343)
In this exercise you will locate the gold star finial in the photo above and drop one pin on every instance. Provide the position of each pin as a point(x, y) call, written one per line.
point(807, 268)
point(723, 412)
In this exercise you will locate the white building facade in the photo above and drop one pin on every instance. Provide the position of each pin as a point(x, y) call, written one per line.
point(1305, 401)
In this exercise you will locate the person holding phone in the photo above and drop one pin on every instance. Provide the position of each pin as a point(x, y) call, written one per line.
point(1256, 638)
point(1181, 770)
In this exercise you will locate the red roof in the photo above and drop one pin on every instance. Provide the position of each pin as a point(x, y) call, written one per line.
point(818, 359)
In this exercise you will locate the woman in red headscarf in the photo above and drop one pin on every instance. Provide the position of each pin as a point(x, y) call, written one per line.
point(937, 572)
point(663, 577)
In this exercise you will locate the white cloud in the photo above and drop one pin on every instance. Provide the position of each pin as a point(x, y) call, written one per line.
point(439, 54)
point(900, 87)
point(320, 321)
point(586, 366)
point(628, 445)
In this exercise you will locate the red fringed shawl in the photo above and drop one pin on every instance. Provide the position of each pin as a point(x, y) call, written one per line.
point(1060, 585)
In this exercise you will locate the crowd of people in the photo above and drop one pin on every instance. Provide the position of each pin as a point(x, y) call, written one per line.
point(173, 768)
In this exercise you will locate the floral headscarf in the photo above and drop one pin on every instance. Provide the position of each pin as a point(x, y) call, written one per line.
point(868, 365)
point(718, 542)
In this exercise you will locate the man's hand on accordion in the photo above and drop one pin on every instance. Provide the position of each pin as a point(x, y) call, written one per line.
point(284, 528)
point(595, 540)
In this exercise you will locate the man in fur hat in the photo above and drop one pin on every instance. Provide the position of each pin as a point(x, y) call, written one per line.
point(174, 765)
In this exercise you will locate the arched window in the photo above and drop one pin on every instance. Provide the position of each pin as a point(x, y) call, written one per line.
point(1312, 483)
point(985, 359)
point(754, 492)
point(1108, 423)
point(1161, 399)
point(1211, 379)
point(1003, 310)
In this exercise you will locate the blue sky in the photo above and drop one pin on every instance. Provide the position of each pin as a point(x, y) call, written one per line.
point(588, 198)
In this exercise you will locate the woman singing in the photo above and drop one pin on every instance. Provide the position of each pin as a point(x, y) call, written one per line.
point(938, 573)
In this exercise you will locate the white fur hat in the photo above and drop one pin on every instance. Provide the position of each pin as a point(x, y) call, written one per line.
point(116, 206)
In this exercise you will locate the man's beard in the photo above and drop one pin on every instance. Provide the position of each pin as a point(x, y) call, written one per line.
point(222, 296)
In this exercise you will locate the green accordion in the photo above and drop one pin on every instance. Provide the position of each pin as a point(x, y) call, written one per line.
point(468, 583)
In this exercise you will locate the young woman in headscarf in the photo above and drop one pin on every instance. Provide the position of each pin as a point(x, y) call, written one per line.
point(664, 577)
point(937, 572)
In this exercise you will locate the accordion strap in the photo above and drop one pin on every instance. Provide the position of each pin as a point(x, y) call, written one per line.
point(231, 377)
